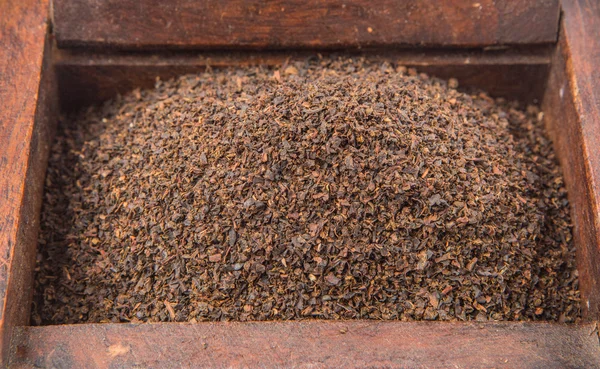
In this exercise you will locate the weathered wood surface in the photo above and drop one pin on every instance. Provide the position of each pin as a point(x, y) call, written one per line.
point(91, 78)
point(25, 110)
point(205, 24)
point(308, 344)
point(572, 108)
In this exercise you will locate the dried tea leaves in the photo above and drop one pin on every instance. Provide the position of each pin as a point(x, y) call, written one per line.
point(332, 188)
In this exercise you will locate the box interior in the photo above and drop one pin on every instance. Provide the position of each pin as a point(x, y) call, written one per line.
point(85, 78)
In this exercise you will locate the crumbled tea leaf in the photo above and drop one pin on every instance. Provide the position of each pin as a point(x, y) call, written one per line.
point(333, 280)
point(170, 309)
point(215, 258)
point(326, 188)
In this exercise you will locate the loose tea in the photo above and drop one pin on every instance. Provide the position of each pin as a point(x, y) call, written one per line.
point(326, 188)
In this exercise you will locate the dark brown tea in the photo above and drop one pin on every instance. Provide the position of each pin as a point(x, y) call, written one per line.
point(324, 189)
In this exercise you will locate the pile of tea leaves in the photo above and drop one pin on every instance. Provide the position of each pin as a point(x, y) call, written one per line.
point(326, 188)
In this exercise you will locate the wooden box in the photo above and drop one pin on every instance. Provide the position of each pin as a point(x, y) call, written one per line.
point(60, 56)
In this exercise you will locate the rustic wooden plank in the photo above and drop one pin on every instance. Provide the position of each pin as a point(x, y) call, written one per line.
point(25, 111)
point(205, 24)
point(572, 108)
point(308, 344)
point(87, 78)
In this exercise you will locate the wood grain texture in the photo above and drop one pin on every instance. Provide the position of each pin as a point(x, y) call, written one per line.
point(86, 78)
point(308, 344)
point(25, 112)
point(572, 107)
point(206, 24)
